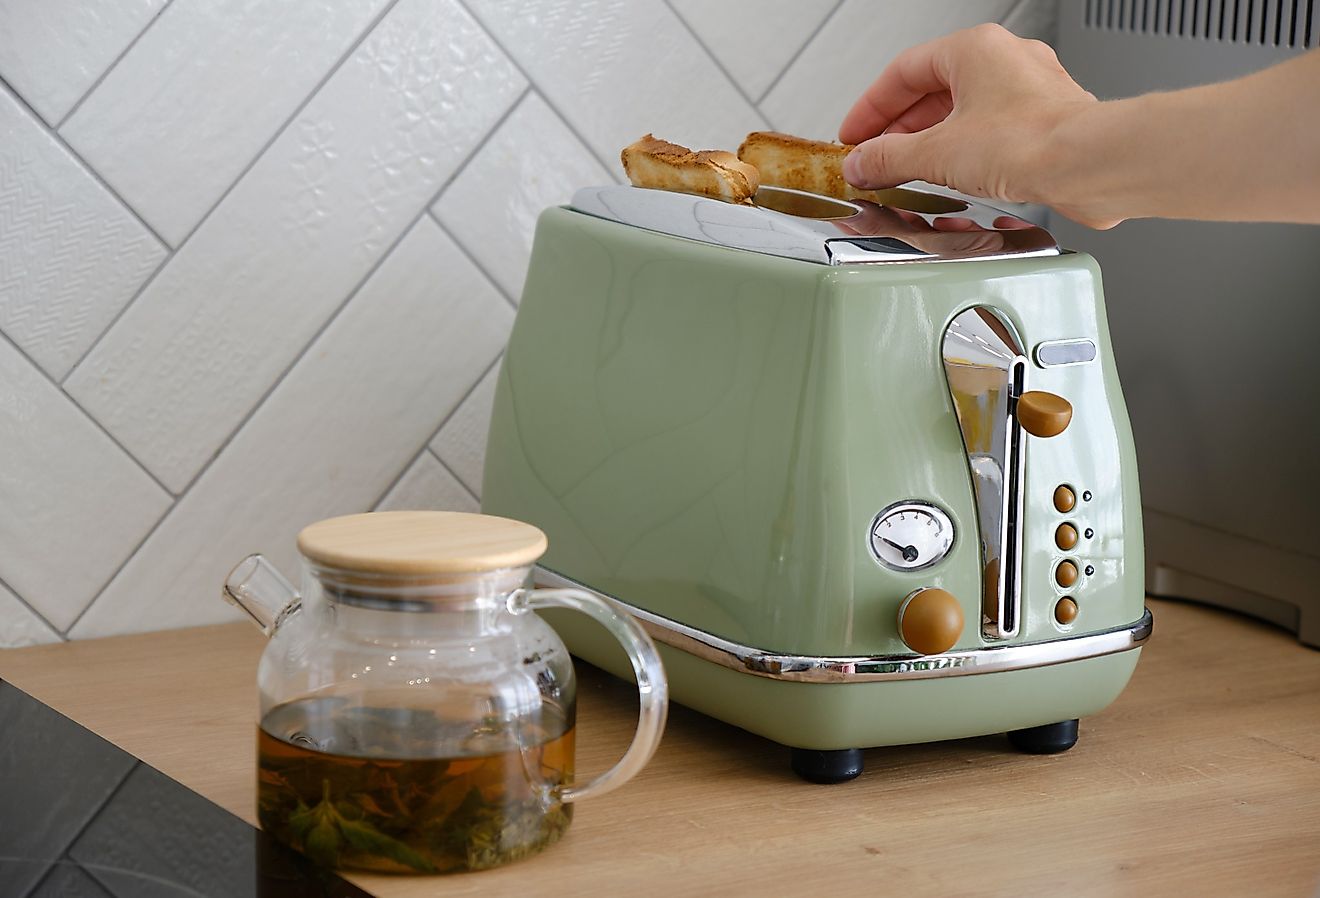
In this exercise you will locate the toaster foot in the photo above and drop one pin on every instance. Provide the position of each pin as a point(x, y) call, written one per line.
point(1047, 739)
point(837, 766)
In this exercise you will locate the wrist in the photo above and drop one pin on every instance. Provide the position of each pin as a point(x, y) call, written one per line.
point(1080, 167)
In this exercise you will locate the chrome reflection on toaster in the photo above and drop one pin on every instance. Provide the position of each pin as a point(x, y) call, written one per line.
point(862, 468)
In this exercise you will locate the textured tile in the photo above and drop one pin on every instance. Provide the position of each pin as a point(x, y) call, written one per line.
point(428, 486)
point(74, 505)
point(71, 256)
point(753, 39)
point(176, 120)
point(207, 338)
point(461, 442)
point(617, 69)
point(52, 51)
point(68, 880)
point(148, 842)
point(34, 741)
point(491, 207)
point(850, 51)
point(19, 626)
point(330, 439)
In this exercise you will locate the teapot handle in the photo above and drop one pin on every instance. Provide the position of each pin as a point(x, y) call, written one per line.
point(650, 674)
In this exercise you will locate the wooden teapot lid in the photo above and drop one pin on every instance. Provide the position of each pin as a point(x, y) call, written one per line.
point(417, 543)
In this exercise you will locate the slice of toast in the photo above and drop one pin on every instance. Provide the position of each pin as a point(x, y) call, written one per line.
point(816, 166)
point(659, 164)
point(800, 164)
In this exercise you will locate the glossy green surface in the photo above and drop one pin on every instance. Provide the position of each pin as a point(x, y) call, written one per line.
point(708, 433)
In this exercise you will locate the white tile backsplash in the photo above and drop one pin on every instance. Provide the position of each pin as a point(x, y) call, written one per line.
point(461, 442)
point(496, 224)
point(616, 69)
point(74, 504)
point(71, 256)
point(330, 440)
point(848, 54)
point(52, 51)
point(427, 485)
point(311, 341)
point(19, 627)
point(754, 39)
point(178, 372)
point(176, 121)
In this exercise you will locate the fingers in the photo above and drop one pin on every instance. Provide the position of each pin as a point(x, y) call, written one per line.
point(913, 74)
point(890, 160)
point(929, 110)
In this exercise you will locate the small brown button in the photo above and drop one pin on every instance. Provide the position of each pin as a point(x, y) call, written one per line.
point(1065, 537)
point(1064, 498)
point(1065, 612)
point(1065, 574)
point(930, 621)
point(1043, 414)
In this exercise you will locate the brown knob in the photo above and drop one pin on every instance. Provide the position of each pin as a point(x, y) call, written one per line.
point(1043, 414)
point(930, 621)
point(1065, 612)
point(1065, 574)
point(1065, 537)
point(1064, 499)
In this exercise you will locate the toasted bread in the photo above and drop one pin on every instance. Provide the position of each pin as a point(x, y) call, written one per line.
point(816, 166)
point(659, 164)
point(800, 164)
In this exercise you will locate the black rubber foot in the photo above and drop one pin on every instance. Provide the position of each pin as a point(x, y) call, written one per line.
point(836, 766)
point(1047, 739)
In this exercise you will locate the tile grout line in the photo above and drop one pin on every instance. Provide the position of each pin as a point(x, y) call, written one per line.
point(284, 126)
point(108, 69)
point(279, 379)
point(426, 444)
point(554, 107)
point(113, 321)
point(481, 269)
point(82, 830)
point(718, 64)
point(28, 605)
point(83, 165)
point(353, 292)
point(110, 436)
point(798, 53)
point(454, 474)
point(120, 567)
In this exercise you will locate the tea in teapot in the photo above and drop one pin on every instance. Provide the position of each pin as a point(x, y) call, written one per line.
point(415, 718)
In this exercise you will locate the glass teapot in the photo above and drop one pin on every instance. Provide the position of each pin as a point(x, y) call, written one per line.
point(415, 717)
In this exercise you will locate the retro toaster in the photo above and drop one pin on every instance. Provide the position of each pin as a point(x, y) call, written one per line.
point(863, 469)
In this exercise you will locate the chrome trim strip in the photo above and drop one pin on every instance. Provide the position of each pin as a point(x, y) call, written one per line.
point(876, 668)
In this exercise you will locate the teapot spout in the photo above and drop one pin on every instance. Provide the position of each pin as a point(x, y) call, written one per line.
point(256, 586)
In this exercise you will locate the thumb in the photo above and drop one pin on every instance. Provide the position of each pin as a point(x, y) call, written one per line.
point(888, 160)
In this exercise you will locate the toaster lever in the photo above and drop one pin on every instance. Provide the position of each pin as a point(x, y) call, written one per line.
point(1043, 414)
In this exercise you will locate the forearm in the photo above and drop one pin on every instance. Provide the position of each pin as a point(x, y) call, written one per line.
point(1243, 150)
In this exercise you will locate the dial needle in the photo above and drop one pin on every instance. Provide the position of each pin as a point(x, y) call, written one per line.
point(909, 552)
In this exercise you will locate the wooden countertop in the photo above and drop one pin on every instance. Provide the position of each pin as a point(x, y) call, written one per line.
point(1202, 779)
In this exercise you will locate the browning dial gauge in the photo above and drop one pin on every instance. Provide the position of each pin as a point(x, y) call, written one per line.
point(911, 536)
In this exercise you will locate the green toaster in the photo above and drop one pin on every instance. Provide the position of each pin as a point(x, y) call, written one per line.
point(862, 469)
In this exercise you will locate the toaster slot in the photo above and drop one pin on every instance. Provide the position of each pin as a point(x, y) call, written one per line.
point(986, 370)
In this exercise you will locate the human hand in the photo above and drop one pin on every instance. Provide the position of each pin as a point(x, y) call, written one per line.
point(977, 111)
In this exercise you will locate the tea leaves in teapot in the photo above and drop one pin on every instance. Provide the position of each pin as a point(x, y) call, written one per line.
point(409, 814)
